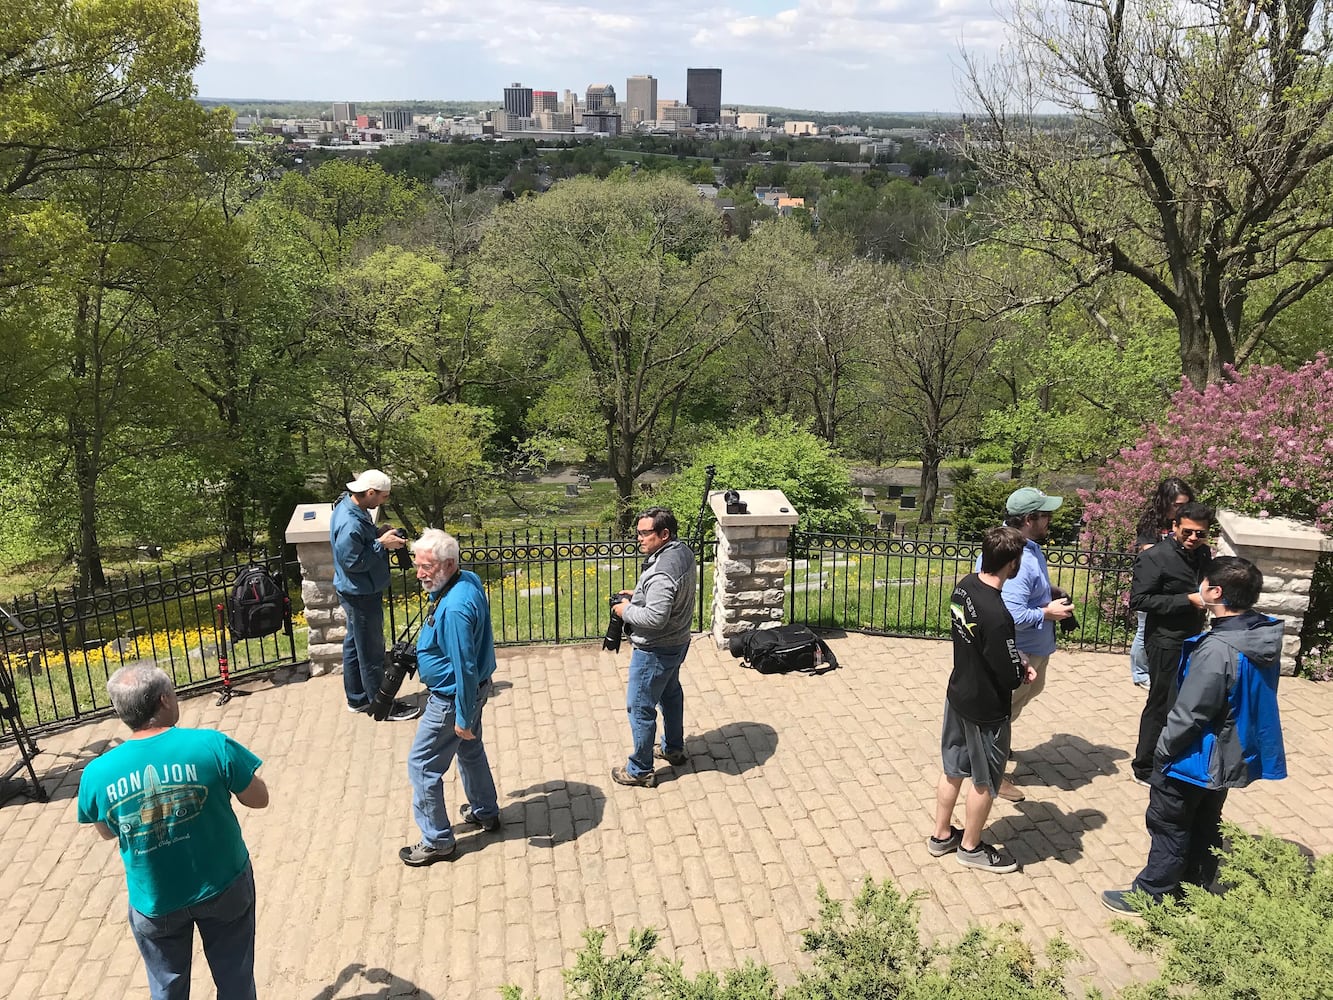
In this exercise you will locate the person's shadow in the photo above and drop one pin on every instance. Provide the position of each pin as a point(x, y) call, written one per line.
point(732, 748)
point(553, 812)
point(375, 984)
point(1066, 762)
point(1044, 831)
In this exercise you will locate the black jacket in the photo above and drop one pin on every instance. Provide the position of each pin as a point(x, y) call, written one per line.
point(1164, 577)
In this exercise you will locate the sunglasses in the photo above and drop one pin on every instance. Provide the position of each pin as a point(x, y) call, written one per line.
point(1194, 532)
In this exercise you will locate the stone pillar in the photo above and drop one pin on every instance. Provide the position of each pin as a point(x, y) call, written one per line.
point(1285, 552)
point(308, 530)
point(750, 574)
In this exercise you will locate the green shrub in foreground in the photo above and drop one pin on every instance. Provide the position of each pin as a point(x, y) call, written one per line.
point(873, 953)
point(1268, 937)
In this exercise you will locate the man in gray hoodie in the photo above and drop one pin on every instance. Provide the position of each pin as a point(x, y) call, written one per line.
point(658, 614)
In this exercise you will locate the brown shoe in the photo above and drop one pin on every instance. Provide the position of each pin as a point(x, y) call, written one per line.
point(1010, 792)
point(622, 777)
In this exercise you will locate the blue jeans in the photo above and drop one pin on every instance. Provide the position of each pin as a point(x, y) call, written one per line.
point(363, 648)
point(434, 748)
point(227, 929)
point(1138, 656)
point(654, 679)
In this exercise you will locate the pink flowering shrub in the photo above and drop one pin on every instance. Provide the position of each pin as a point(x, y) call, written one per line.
point(1261, 444)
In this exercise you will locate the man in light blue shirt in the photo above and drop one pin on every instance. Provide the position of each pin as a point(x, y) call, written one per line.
point(1034, 604)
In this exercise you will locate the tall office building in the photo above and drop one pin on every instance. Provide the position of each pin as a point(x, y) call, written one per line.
point(703, 92)
point(640, 99)
point(401, 120)
point(601, 97)
point(545, 100)
point(343, 111)
point(518, 100)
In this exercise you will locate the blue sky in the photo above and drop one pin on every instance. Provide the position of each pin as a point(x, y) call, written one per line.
point(867, 55)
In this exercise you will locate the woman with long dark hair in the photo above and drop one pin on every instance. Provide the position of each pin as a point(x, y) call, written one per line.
point(1154, 524)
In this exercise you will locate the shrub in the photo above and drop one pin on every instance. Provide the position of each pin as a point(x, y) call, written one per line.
point(875, 954)
point(816, 480)
point(978, 504)
point(1261, 444)
point(1268, 937)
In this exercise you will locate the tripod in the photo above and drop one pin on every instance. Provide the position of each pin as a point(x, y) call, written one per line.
point(11, 722)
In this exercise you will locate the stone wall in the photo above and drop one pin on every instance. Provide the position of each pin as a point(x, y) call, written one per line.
point(1285, 552)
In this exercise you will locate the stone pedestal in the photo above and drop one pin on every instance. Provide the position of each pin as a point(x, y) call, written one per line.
point(308, 530)
point(750, 574)
point(1285, 552)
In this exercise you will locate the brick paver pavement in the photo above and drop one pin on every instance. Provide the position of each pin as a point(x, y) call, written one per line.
point(792, 781)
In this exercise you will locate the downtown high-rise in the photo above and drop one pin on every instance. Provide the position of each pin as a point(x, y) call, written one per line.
point(640, 99)
point(703, 92)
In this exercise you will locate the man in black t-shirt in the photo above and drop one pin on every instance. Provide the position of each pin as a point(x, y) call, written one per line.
point(987, 669)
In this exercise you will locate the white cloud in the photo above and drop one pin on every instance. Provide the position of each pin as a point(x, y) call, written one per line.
point(807, 53)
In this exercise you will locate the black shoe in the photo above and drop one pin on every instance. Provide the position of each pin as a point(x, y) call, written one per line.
point(939, 848)
point(987, 857)
point(421, 854)
point(622, 777)
point(401, 711)
point(1116, 900)
point(490, 824)
point(676, 758)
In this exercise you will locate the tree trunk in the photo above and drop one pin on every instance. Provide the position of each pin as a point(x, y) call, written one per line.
point(930, 483)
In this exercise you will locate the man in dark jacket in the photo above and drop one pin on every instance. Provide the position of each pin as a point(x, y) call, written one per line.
point(1166, 586)
point(987, 669)
point(1223, 732)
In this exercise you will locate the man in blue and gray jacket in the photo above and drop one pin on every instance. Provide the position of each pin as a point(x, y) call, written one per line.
point(658, 614)
point(1222, 732)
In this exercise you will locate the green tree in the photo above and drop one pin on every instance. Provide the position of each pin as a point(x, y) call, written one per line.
point(1195, 158)
point(635, 272)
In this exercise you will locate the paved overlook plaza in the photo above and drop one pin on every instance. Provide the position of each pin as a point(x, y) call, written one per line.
point(792, 781)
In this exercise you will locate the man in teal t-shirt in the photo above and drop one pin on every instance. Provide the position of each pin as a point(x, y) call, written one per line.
point(165, 796)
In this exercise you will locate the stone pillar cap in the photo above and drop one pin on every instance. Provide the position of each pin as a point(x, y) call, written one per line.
point(766, 507)
point(1272, 532)
point(309, 523)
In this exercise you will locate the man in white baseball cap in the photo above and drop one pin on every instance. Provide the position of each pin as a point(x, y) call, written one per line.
point(361, 576)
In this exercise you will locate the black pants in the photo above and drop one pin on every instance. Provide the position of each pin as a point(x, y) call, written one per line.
point(1185, 823)
point(1163, 662)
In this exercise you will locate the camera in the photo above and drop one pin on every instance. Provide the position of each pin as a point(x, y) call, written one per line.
point(617, 628)
point(735, 505)
point(400, 663)
point(402, 558)
point(1069, 624)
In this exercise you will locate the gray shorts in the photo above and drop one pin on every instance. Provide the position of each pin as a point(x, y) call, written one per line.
point(973, 751)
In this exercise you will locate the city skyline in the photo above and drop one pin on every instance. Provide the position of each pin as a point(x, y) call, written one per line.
point(862, 55)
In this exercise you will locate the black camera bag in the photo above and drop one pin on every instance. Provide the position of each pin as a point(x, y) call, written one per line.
point(783, 649)
point(258, 604)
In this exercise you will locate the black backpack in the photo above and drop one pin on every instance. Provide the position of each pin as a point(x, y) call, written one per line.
point(258, 605)
point(778, 650)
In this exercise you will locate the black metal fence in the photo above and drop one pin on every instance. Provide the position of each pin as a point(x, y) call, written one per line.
point(544, 586)
point(60, 647)
point(548, 586)
point(890, 584)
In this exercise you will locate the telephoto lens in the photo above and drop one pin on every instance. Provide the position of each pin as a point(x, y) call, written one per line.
point(1069, 624)
point(615, 628)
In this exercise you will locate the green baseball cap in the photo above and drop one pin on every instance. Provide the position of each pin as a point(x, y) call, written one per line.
point(1030, 500)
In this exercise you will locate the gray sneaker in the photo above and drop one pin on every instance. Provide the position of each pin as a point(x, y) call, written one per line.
point(988, 858)
point(939, 848)
point(490, 824)
point(676, 758)
point(421, 854)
